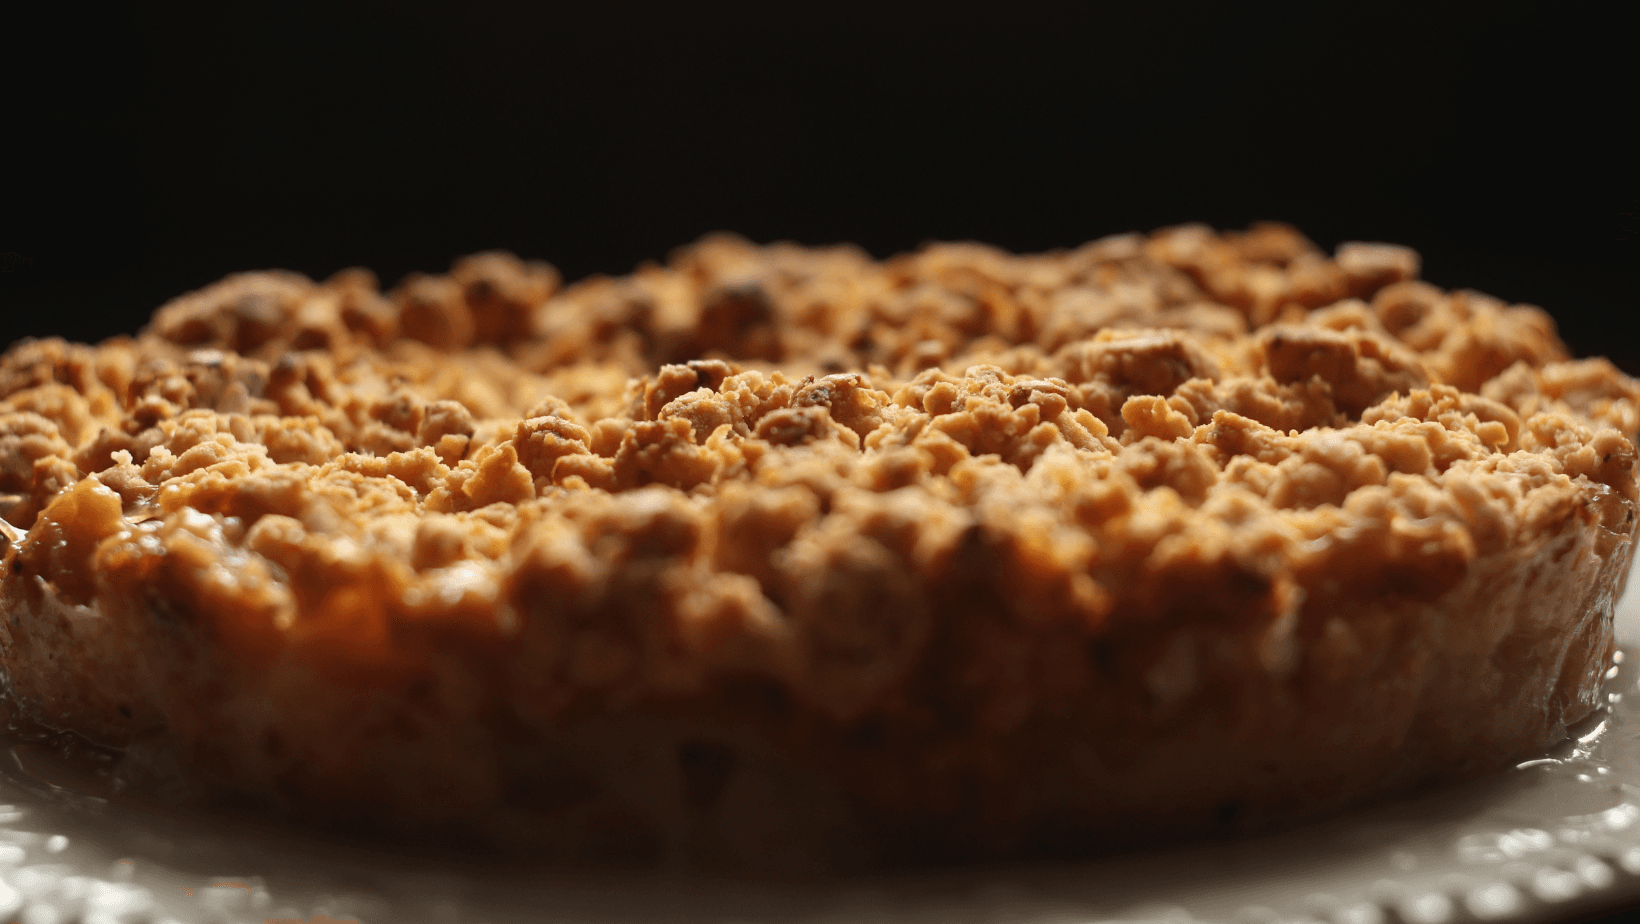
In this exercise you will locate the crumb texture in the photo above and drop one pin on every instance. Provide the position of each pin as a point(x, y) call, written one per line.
point(990, 552)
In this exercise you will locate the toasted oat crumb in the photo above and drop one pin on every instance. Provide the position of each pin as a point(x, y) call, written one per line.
point(954, 496)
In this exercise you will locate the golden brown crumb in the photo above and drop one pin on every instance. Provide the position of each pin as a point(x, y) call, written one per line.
point(995, 552)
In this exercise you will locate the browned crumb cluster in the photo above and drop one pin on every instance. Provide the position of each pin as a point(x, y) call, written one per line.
point(962, 548)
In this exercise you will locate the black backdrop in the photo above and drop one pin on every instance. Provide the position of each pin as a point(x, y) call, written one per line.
point(398, 139)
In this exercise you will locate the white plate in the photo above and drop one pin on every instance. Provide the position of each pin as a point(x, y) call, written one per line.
point(1554, 835)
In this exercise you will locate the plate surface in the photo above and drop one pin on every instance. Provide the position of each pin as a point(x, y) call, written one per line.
point(1555, 835)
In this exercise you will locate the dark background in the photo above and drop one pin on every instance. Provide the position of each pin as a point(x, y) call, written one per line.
point(398, 139)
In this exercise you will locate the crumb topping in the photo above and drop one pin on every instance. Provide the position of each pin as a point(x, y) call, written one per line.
point(805, 467)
